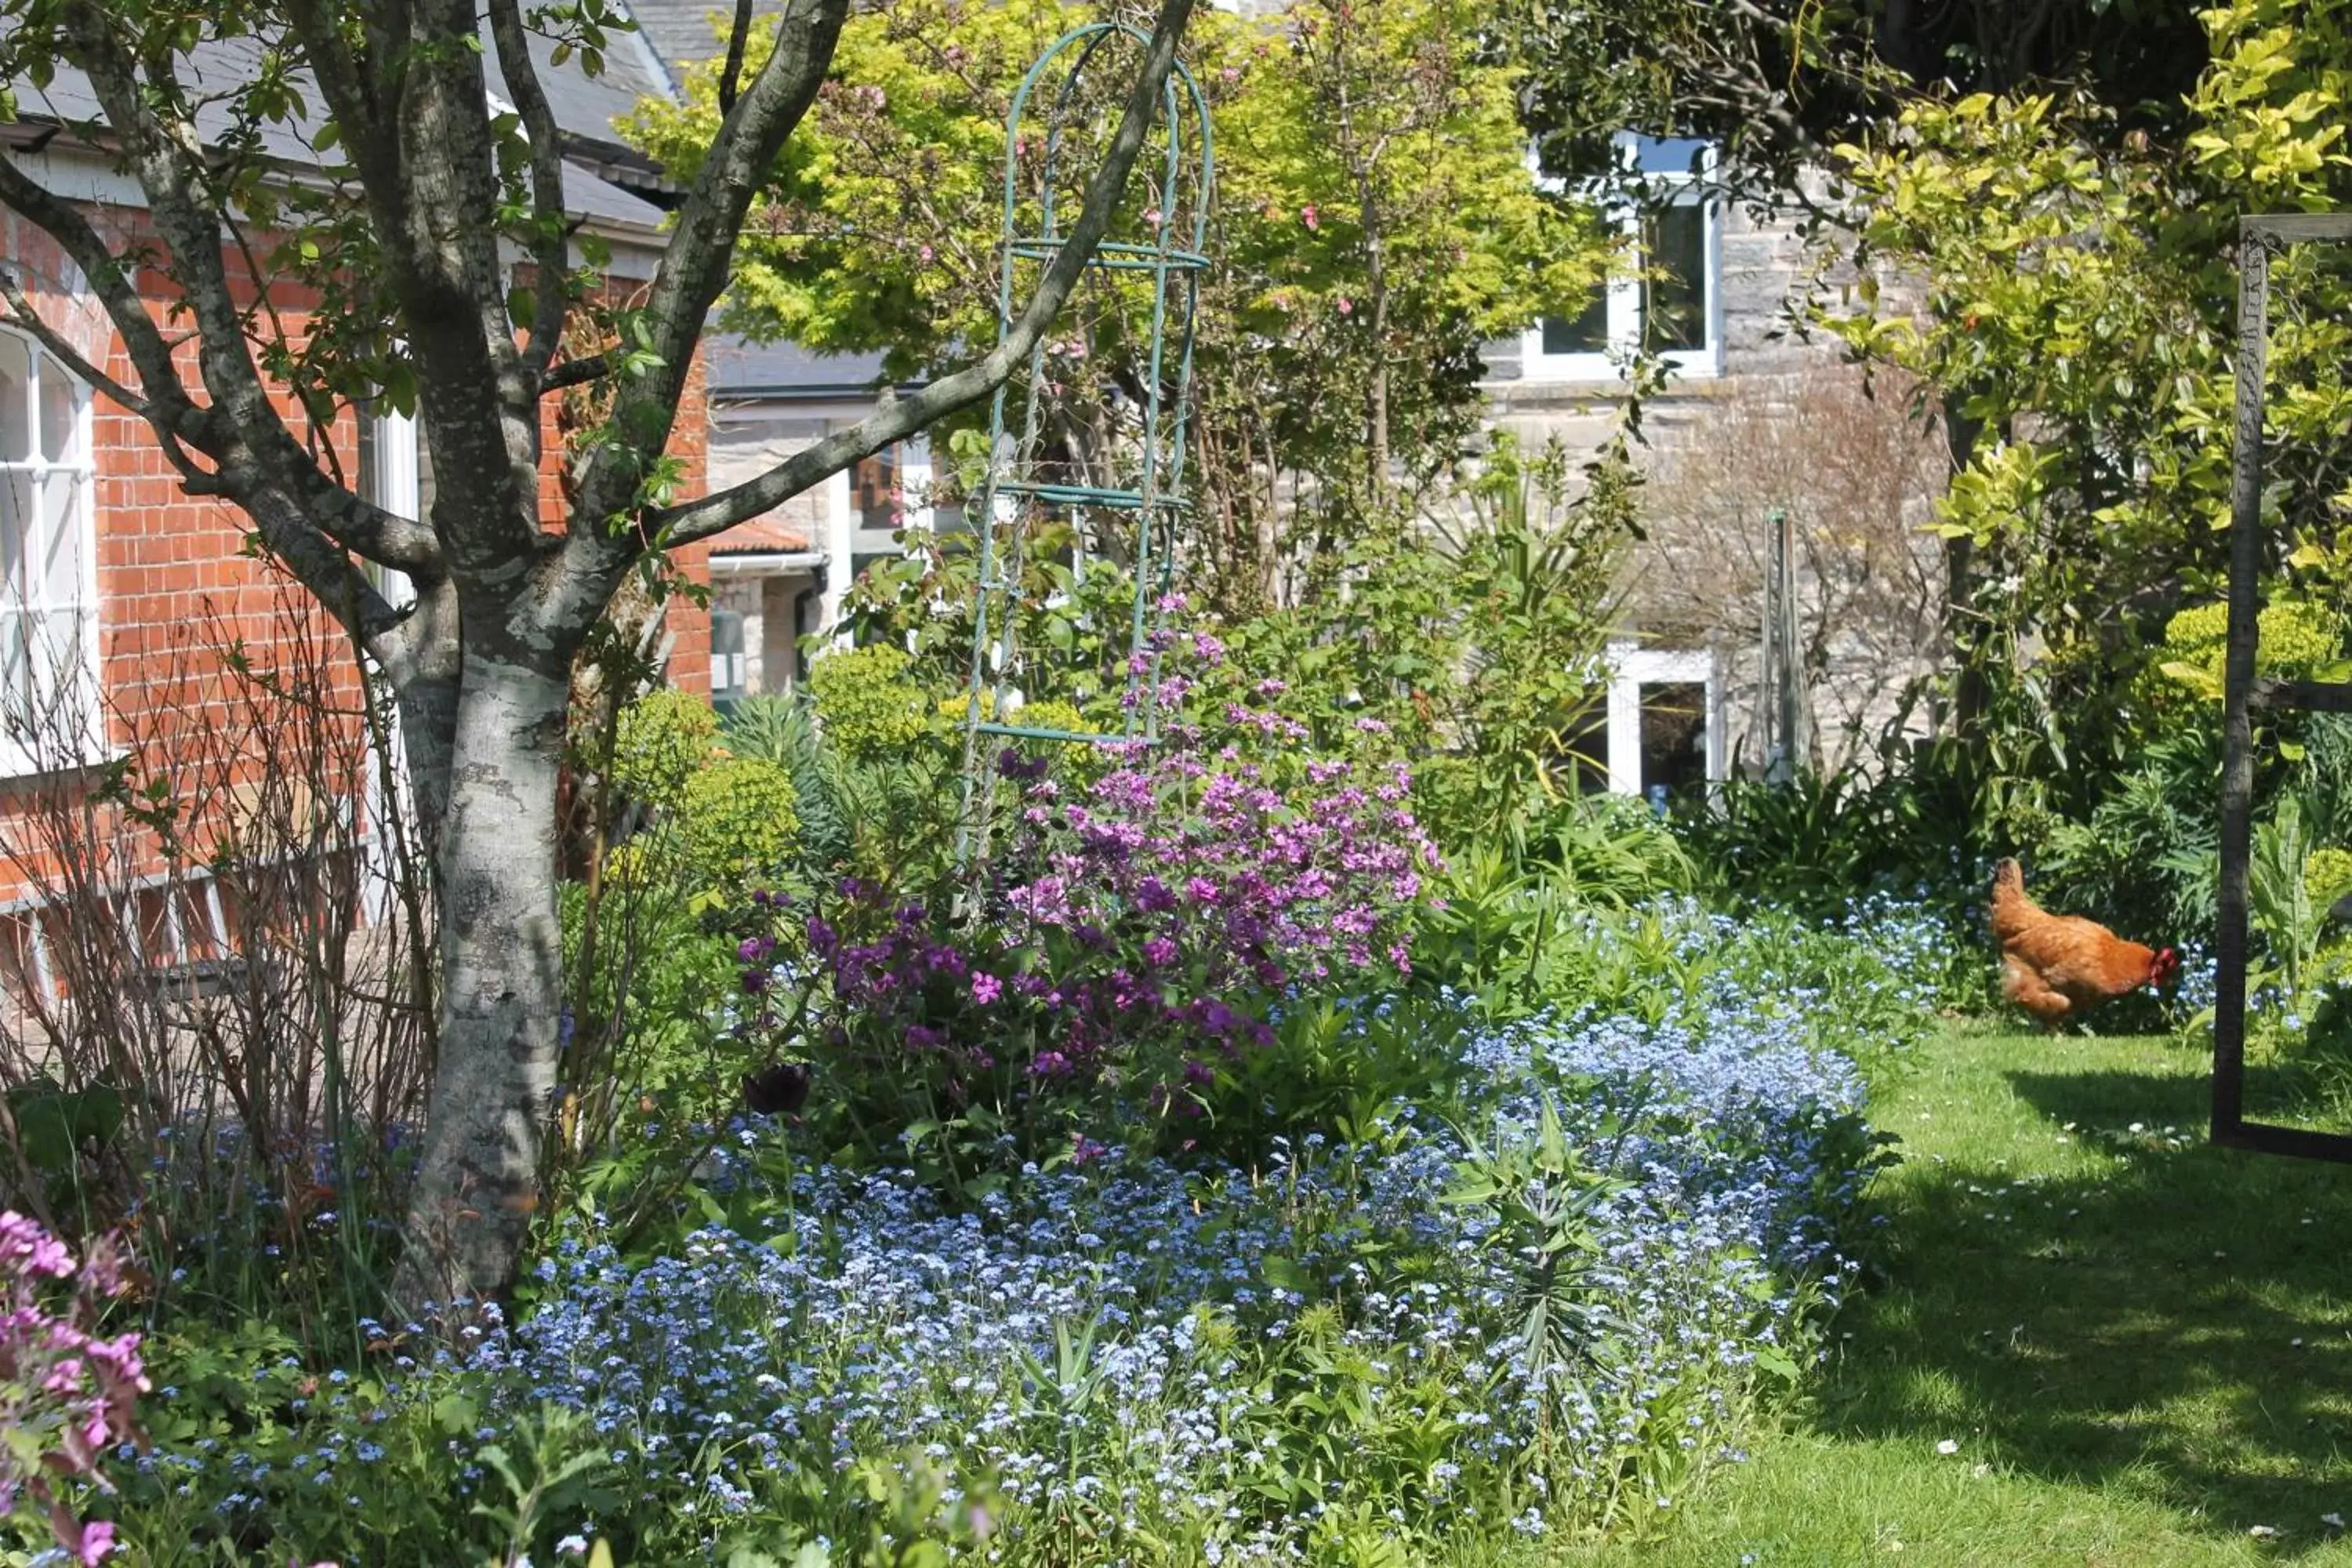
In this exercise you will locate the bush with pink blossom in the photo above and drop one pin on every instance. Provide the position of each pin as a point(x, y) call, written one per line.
point(1127, 942)
point(67, 1393)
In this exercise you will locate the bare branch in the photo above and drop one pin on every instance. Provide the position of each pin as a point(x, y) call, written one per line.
point(738, 38)
point(550, 246)
point(895, 421)
point(694, 268)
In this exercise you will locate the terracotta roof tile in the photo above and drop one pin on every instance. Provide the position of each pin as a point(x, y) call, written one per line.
point(761, 536)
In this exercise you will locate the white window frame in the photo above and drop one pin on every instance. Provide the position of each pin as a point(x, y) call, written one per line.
point(1626, 285)
point(55, 691)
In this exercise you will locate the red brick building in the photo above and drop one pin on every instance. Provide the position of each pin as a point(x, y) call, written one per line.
point(132, 615)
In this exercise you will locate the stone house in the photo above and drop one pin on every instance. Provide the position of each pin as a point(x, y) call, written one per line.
point(1759, 417)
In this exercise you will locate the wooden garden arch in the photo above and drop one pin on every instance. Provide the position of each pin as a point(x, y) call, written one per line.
point(2259, 238)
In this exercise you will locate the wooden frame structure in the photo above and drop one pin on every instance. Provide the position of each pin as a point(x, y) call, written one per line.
point(2259, 237)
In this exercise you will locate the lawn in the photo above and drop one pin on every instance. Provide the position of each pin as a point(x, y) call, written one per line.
point(2097, 1340)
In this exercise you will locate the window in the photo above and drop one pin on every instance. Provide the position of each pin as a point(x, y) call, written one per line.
point(1670, 301)
point(50, 713)
point(395, 473)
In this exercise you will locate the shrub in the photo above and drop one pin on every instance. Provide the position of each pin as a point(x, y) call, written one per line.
point(737, 825)
point(869, 707)
point(660, 741)
point(1131, 938)
point(66, 1392)
point(783, 730)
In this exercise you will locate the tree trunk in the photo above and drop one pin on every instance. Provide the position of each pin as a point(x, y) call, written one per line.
point(501, 956)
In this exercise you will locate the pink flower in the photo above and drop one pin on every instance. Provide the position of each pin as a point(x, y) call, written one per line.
point(25, 1247)
point(986, 988)
point(88, 1542)
point(1347, 306)
point(1307, 215)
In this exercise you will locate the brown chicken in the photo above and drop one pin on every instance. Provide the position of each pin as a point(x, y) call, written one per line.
point(2058, 967)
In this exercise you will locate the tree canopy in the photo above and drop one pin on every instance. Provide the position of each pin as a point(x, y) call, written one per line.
point(1376, 222)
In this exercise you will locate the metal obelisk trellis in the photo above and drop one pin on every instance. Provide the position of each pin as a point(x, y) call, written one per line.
point(1014, 497)
point(2259, 238)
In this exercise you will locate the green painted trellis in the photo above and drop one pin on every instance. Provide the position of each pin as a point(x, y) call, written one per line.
point(1012, 496)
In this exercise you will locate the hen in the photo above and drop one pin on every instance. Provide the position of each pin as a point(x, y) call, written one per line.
point(2058, 967)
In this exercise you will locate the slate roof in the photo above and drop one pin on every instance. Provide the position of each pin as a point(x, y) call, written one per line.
point(683, 32)
point(584, 108)
point(739, 369)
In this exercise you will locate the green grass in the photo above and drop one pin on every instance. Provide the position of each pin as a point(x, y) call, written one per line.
point(2141, 1345)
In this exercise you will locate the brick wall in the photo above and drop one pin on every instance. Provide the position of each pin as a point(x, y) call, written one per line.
point(177, 587)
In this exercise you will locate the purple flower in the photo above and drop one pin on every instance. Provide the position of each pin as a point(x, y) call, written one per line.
point(1159, 953)
point(986, 988)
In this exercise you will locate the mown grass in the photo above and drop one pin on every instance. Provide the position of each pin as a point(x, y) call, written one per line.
point(2139, 1346)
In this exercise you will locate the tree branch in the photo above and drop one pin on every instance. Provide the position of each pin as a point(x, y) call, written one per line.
point(104, 271)
point(895, 421)
point(550, 248)
point(576, 372)
point(694, 269)
point(241, 464)
point(738, 38)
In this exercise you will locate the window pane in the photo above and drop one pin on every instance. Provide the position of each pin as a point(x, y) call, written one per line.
point(1674, 245)
point(60, 424)
point(1583, 334)
point(16, 513)
point(873, 485)
point(60, 540)
point(1668, 154)
point(15, 401)
point(15, 687)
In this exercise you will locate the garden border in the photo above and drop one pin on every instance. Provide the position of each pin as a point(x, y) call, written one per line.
point(2258, 237)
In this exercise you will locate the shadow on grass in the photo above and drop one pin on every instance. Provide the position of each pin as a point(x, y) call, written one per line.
point(2176, 1323)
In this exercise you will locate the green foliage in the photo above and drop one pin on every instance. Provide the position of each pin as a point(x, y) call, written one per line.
point(1375, 224)
point(2279, 900)
point(2293, 636)
point(1471, 655)
point(783, 730)
point(660, 741)
point(2327, 875)
point(1814, 843)
point(1337, 1067)
point(870, 709)
point(1543, 1194)
point(2090, 383)
point(2151, 848)
point(245, 1391)
point(738, 827)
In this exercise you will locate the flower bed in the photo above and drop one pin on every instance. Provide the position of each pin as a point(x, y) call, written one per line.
point(1139, 1361)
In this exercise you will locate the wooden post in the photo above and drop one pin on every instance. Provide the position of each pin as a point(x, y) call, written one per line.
point(2238, 675)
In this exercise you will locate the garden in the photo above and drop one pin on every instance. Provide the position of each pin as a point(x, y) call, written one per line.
point(1197, 1068)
